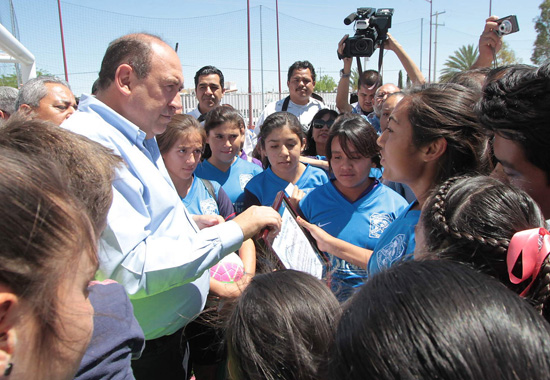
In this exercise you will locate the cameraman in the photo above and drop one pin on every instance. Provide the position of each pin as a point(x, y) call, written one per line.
point(370, 80)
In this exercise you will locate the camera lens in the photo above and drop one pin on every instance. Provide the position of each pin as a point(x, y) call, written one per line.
point(505, 27)
point(361, 45)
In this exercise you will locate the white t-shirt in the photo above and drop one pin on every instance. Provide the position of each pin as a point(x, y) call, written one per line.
point(304, 113)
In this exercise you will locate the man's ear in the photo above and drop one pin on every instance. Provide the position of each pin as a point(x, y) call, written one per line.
point(25, 109)
point(9, 313)
point(434, 150)
point(123, 78)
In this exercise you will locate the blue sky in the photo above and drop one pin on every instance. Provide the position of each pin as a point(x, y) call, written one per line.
point(214, 32)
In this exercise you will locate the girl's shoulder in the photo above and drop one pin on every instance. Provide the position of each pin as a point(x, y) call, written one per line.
point(244, 165)
point(314, 173)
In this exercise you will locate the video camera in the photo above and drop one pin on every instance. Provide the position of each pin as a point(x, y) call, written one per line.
point(371, 29)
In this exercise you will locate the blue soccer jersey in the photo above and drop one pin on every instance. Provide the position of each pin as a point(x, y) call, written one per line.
point(233, 181)
point(262, 189)
point(360, 223)
point(199, 201)
point(396, 242)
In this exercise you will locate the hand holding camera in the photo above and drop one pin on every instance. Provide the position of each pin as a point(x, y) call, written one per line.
point(490, 41)
point(371, 28)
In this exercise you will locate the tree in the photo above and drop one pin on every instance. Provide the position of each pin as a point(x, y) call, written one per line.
point(400, 79)
point(541, 51)
point(506, 56)
point(462, 59)
point(325, 84)
point(10, 80)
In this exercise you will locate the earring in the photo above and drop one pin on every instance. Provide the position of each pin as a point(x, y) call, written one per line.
point(8, 369)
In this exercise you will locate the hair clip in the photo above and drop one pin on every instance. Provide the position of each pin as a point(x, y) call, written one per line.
point(534, 247)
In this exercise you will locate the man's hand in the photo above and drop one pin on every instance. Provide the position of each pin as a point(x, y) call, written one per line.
point(391, 44)
point(204, 221)
point(347, 60)
point(490, 43)
point(255, 218)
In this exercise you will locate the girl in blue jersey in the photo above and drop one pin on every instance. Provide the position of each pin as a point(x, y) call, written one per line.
point(433, 134)
point(281, 141)
point(225, 133)
point(353, 207)
point(181, 146)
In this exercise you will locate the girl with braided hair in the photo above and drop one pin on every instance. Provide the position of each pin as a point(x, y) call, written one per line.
point(486, 224)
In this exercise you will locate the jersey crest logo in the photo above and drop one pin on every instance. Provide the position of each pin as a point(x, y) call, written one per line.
point(391, 252)
point(209, 207)
point(244, 178)
point(378, 223)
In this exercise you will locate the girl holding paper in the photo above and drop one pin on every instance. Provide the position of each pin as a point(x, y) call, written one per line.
point(282, 140)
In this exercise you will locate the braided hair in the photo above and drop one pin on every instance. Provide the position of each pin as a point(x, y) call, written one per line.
point(472, 220)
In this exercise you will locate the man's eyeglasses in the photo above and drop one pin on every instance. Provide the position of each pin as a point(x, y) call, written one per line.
point(320, 123)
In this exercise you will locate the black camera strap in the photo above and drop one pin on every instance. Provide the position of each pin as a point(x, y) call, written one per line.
point(380, 60)
point(381, 56)
point(359, 67)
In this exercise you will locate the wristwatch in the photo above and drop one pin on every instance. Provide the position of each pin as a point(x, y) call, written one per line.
point(344, 75)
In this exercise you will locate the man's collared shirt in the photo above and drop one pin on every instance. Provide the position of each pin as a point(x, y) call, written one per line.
point(151, 244)
point(304, 113)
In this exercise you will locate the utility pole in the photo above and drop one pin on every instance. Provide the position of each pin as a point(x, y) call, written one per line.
point(262, 55)
point(435, 42)
point(430, 49)
point(421, 39)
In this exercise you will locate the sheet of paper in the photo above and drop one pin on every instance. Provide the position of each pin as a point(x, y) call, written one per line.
point(294, 249)
point(289, 189)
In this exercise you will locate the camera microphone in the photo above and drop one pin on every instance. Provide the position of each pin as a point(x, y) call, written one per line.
point(348, 20)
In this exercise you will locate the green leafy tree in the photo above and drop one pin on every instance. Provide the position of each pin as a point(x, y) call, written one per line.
point(325, 84)
point(10, 80)
point(464, 57)
point(541, 51)
point(507, 56)
point(462, 60)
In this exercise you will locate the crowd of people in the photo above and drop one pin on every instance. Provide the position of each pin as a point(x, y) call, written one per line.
point(130, 228)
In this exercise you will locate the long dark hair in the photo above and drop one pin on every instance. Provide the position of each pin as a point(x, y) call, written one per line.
point(438, 320)
point(45, 232)
point(218, 116)
point(447, 110)
point(472, 220)
point(281, 327)
point(354, 129)
point(515, 105)
point(311, 148)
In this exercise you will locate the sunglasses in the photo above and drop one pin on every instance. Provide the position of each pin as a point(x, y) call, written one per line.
point(318, 124)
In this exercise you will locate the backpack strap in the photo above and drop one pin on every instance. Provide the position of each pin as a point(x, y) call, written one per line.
point(209, 188)
point(285, 103)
